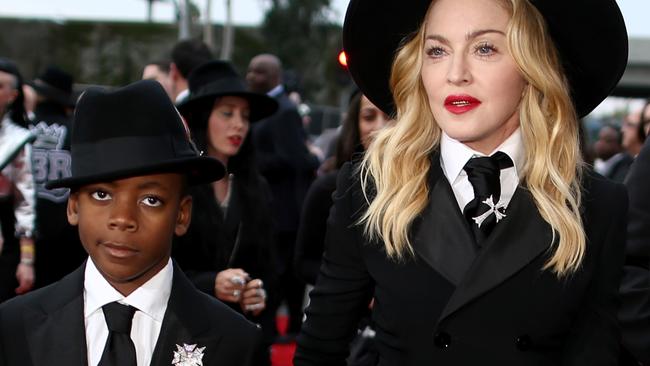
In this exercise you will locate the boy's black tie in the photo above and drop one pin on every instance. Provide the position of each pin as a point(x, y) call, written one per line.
point(119, 349)
point(484, 173)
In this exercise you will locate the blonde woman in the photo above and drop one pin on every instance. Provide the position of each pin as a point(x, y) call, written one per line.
point(472, 221)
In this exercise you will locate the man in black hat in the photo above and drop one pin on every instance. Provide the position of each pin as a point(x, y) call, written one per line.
point(133, 161)
point(56, 240)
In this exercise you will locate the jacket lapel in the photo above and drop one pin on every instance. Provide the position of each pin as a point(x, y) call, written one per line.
point(444, 242)
point(183, 323)
point(55, 326)
point(516, 241)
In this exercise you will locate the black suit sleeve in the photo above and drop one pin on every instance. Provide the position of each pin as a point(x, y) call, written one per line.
point(595, 333)
point(634, 314)
point(343, 289)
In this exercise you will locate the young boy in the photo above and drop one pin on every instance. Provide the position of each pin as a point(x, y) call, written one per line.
point(132, 161)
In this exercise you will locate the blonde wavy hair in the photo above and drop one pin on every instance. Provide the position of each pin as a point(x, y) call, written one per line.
point(395, 168)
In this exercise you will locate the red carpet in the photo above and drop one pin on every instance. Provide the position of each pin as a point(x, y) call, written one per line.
point(282, 354)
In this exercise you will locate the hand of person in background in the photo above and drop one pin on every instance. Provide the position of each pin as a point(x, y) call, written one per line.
point(25, 277)
point(230, 283)
point(25, 269)
point(253, 299)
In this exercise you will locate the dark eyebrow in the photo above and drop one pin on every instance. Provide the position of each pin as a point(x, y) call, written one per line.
point(469, 36)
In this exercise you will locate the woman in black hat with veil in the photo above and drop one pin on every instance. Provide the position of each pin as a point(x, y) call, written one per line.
point(226, 251)
point(473, 221)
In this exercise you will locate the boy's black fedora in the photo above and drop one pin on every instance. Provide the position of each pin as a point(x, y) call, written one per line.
point(590, 36)
point(55, 84)
point(134, 130)
point(218, 78)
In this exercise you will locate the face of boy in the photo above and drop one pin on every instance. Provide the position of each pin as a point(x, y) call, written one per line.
point(127, 225)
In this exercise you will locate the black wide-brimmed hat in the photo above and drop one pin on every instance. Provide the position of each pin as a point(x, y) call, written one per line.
point(132, 131)
point(578, 28)
point(217, 79)
point(55, 84)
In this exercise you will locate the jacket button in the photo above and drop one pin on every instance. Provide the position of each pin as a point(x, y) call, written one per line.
point(523, 343)
point(442, 340)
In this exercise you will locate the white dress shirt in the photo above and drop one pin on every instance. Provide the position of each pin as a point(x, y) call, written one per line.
point(279, 89)
point(184, 94)
point(150, 300)
point(454, 155)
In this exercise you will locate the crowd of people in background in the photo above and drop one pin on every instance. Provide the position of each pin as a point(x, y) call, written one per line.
point(257, 235)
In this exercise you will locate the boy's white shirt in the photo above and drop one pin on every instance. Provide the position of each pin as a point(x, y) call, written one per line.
point(150, 300)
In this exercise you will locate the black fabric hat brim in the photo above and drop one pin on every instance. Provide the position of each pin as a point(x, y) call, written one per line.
point(261, 106)
point(199, 170)
point(52, 93)
point(578, 29)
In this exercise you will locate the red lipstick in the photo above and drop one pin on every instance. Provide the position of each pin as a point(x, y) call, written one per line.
point(235, 140)
point(459, 104)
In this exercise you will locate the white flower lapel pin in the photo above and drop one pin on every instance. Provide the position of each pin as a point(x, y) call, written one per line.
point(495, 208)
point(188, 355)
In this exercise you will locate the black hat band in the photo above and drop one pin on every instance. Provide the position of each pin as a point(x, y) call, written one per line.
point(141, 151)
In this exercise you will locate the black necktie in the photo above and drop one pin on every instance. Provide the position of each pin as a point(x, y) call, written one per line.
point(484, 173)
point(119, 349)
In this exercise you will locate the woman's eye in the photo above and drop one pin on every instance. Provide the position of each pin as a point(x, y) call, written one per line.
point(152, 201)
point(100, 195)
point(369, 117)
point(435, 51)
point(227, 113)
point(485, 49)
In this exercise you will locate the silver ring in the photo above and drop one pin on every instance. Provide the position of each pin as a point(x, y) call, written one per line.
point(255, 306)
point(237, 280)
point(236, 293)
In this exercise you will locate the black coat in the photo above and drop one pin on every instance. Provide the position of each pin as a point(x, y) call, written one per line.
point(213, 243)
point(46, 327)
point(448, 305)
point(310, 241)
point(284, 160)
point(635, 286)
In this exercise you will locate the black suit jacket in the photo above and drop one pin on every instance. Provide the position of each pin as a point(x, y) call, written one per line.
point(46, 327)
point(635, 286)
point(284, 160)
point(449, 305)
